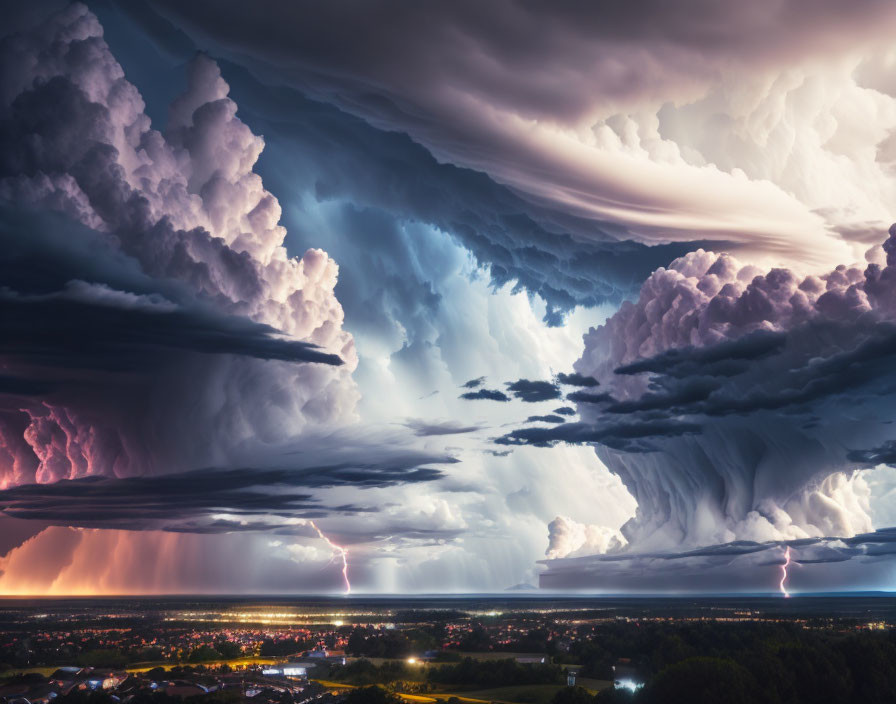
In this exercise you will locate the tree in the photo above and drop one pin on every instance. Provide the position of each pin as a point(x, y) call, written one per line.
point(704, 680)
point(614, 696)
point(356, 642)
point(476, 640)
point(573, 695)
point(204, 653)
point(228, 649)
point(371, 695)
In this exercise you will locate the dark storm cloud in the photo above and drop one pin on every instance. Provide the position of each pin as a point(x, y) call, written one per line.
point(533, 391)
point(536, 391)
point(576, 379)
point(18, 386)
point(723, 359)
point(424, 428)
point(737, 566)
point(183, 501)
point(45, 251)
point(566, 260)
point(786, 380)
point(884, 454)
point(565, 411)
point(166, 250)
point(58, 332)
point(62, 310)
point(715, 380)
point(69, 299)
point(501, 50)
point(538, 249)
point(631, 437)
point(589, 397)
point(688, 391)
point(485, 395)
point(814, 398)
point(499, 453)
point(545, 419)
point(710, 380)
point(469, 91)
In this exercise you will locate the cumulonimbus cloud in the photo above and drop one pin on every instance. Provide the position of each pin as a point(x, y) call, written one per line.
point(168, 249)
point(737, 405)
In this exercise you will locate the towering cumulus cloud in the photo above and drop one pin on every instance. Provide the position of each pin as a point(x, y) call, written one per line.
point(736, 400)
point(736, 406)
point(162, 322)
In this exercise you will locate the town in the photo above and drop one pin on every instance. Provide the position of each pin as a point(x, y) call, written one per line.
point(520, 651)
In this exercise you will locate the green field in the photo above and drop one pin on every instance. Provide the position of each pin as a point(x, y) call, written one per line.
point(519, 694)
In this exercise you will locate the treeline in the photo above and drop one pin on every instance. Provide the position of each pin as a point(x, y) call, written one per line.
point(23, 656)
point(373, 642)
point(749, 663)
point(465, 673)
point(285, 646)
point(495, 673)
point(221, 649)
point(361, 673)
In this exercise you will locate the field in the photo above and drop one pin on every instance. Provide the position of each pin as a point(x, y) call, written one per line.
point(519, 694)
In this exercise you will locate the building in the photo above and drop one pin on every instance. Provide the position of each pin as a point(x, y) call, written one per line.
point(292, 670)
point(67, 678)
point(182, 689)
point(104, 679)
point(625, 675)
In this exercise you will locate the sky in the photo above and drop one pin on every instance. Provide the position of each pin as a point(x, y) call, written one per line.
point(447, 297)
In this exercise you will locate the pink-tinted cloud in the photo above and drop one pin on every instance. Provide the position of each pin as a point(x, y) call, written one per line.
point(182, 213)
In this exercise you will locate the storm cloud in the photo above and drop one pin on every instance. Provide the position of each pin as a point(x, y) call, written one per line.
point(819, 564)
point(166, 250)
point(510, 177)
point(630, 136)
point(206, 500)
point(485, 395)
point(533, 391)
point(782, 381)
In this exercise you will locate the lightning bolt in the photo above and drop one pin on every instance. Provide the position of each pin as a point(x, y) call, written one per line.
point(784, 573)
point(339, 550)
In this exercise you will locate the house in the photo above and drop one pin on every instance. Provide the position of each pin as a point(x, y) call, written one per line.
point(182, 689)
point(105, 679)
point(625, 675)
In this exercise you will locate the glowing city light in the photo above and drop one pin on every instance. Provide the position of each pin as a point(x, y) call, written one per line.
point(784, 573)
point(341, 551)
point(630, 685)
